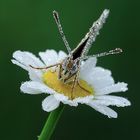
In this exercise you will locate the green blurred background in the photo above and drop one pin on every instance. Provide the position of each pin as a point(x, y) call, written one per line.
point(29, 25)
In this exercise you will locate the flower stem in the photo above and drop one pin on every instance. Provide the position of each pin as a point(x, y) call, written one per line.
point(51, 123)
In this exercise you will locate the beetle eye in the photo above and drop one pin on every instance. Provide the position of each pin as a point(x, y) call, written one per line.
point(74, 68)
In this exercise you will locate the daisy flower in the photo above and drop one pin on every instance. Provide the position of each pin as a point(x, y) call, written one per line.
point(97, 81)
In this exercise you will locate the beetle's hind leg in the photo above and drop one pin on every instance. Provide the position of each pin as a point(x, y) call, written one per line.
point(74, 84)
point(78, 82)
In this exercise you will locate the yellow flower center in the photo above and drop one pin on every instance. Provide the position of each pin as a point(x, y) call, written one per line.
point(80, 90)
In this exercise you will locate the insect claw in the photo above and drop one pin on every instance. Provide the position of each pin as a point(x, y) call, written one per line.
point(31, 66)
point(34, 67)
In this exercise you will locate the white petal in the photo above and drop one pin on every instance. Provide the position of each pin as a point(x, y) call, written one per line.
point(27, 59)
point(50, 103)
point(119, 87)
point(100, 72)
point(19, 64)
point(84, 100)
point(61, 55)
point(101, 82)
point(87, 67)
point(98, 78)
point(65, 100)
point(49, 57)
point(104, 110)
point(35, 75)
point(112, 100)
point(60, 97)
point(33, 87)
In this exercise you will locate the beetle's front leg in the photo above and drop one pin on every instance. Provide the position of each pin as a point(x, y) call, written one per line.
point(40, 68)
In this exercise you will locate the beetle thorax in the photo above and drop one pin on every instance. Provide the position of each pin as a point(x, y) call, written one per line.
point(69, 68)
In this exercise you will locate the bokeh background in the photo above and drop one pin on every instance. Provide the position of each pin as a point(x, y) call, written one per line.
point(28, 25)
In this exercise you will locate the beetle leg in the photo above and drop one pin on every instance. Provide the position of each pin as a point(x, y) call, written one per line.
point(39, 68)
point(82, 87)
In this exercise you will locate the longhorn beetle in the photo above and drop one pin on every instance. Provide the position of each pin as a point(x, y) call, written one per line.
point(69, 68)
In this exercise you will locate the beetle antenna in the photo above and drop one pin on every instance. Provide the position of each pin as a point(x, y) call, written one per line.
point(57, 20)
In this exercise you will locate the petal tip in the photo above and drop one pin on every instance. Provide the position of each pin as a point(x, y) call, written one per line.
point(50, 103)
point(124, 86)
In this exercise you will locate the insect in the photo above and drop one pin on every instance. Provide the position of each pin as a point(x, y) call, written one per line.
point(69, 68)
